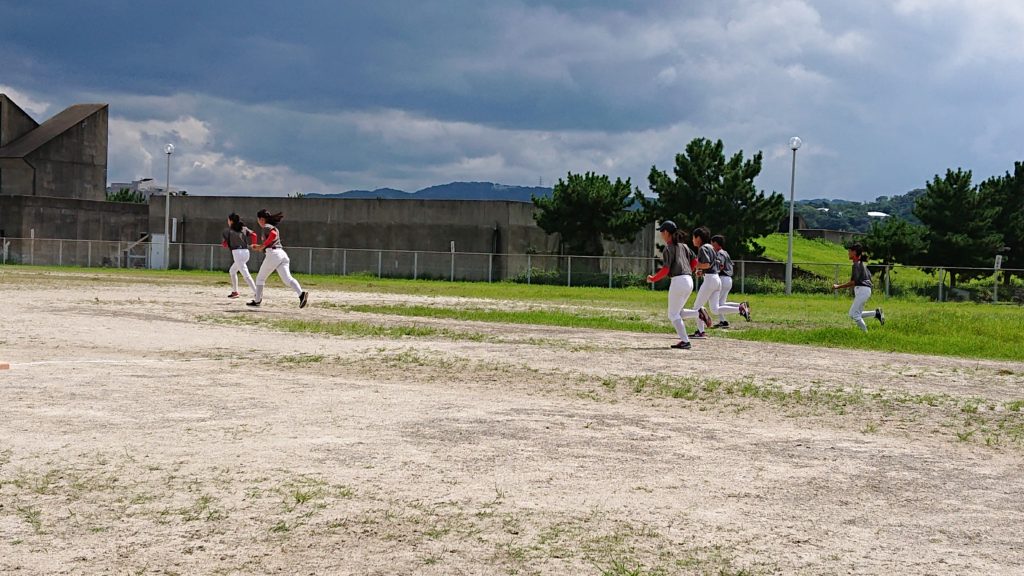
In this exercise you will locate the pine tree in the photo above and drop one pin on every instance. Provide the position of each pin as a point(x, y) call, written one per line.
point(1005, 194)
point(584, 208)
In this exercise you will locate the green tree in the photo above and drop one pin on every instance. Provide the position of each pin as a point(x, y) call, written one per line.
point(894, 240)
point(960, 229)
point(709, 190)
point(1005, 195)
point(584, 208)
point(126, 195)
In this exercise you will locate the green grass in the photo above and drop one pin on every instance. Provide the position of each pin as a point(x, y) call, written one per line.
point(820, 257)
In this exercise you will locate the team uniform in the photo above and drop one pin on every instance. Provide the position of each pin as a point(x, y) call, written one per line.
point(676, 259)
point(725, 277)
point(276, 260)
point(861, 278)
point(708, 292)
point(238, 242)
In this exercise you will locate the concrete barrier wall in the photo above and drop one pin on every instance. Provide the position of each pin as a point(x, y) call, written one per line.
point(68, 218)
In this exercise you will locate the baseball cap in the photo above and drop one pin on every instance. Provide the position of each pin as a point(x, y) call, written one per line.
point(668, 225)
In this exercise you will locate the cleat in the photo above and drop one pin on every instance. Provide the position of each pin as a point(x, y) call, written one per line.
point(745, 311)
point(682, 345)
point(880, 315)
point(722, 324)
point(233, 295)
point(704, 316)
point(253, 303)
point(303, 299)
point(698, 335)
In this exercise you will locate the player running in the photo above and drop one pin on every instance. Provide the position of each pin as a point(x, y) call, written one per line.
point(725, 276)
point(708, 267)
point(238, 238)
point(676, 258)
point(860, 280)
point(276, 259)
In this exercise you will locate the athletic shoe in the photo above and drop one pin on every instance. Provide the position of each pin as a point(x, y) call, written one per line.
point(745, 310)
point(704, 316)
point(880, 316)
point(698, 335)
point(253, 303)
point(233, 295)
point(682, 345)
point(722, 324)
point(303, 299)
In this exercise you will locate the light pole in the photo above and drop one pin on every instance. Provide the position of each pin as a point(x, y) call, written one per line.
point(794, 145)
point(169, 149)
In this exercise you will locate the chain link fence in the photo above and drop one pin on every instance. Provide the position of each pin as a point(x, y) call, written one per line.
point(751, 277)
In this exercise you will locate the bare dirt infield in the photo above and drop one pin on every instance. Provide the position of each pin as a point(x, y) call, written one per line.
point(145, 429)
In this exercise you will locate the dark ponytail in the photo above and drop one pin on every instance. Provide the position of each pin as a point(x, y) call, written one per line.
point(236, 222)
point(703, 233)
point(679, 237)
point(272, 219)
point(858, 249)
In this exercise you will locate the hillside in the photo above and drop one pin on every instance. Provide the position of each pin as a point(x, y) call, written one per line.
point(452, 191)
point(821, 258)
point(853, 216)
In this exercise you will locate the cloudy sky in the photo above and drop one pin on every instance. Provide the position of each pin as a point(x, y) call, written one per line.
point(270, 97)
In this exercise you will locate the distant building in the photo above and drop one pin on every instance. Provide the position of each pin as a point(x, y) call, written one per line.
point(146, 186)
point(64, 157)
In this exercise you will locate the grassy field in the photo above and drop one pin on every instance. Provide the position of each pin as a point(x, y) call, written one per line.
point(915, 325)
point(820, 257)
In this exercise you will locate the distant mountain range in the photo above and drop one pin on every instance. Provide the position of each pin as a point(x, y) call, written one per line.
point(452, 191)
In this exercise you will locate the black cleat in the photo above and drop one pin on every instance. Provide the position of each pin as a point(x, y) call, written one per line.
point(233, 295)
point(698, 335)
point(253, 303)
point(682, 345)
point(704, 316)
point(722, 324)
point(745, 311)
point(880, 315)
point(303, 299)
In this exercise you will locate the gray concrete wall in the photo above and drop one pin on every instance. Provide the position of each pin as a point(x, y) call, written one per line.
point(15, 177)
point(14, 122)
point(74, 164)
point(74, 219)
point(369, 228)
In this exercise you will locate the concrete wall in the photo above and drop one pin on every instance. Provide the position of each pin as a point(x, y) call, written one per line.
point(834, 236)
point(366, 226)
point(15, 177)
point(69, 218)
point(14, 122)
point(74, 164)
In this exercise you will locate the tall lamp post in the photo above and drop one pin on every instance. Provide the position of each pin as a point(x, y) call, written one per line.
point(794, 145)
point(169, 149)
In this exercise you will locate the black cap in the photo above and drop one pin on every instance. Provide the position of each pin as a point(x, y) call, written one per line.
point(668, 225)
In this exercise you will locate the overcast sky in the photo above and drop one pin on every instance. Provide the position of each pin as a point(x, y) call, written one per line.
point(271, 97)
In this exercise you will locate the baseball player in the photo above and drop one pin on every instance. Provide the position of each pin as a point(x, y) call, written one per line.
point(276, 259)
point(860, 281)
point(676, 260)
point(238, 238)
point(708, 266)
point(725, 276)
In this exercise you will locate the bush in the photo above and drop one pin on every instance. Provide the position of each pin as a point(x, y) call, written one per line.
point(560, 278)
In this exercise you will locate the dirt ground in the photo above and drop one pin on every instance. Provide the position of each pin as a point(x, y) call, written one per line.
point(163, 429)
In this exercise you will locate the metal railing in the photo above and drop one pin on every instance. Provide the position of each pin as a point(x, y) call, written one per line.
point(608, 271)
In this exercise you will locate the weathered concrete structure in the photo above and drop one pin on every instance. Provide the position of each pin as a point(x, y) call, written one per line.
point(65, 157)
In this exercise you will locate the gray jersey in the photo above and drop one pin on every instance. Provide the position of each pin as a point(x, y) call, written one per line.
point(726, 261)
point(677, 258)
point(238, 240)
point(861, 276)
point(706, 255)
point(271, 231)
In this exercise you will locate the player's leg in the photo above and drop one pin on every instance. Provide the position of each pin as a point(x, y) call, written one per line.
point(698, 311)
point(243, 263)
point(723, 297)
point(860, 298)
point(271, 259)
point(284, 270)
point(678, 292)
point(233, 272)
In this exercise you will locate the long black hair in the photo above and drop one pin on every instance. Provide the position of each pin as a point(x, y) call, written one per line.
point(858, 249)
point(272, 219)
point(236, 222)
point(703, 233)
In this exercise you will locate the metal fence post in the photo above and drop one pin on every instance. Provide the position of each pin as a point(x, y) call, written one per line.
point(311, 260)
point(60, 252)
point(344, 262)
point(490, 267)
point(181, 253)
point(415, 265)
point(887, 270)
point(380, 263)
point(942, 280)
point(88, 257)
point(609, 271)
point(835, 293)
point(211, 258)
point(743, 276)
point(995, 288)
point(453, 267)
point(120, 263)
point(529, 268)
point(570, 271)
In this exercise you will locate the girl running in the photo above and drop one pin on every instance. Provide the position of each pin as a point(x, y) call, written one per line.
point(676, 258)
point(860, 280)
point(708, 266)
point(725, 276)
point(275, 260)
point(238, 238)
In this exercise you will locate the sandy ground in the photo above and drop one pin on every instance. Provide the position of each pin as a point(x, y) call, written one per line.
point(154, 429)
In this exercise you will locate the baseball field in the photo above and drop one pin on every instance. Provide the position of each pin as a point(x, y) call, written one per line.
point(149, 425)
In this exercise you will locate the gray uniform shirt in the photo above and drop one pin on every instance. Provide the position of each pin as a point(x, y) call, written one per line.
point(238, 240)
point(861, 276)
point(726, 262)
point(706, 254)
point(266, 234)
point(677, 258)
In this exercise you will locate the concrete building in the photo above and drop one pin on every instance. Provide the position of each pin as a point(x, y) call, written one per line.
point(64, 157)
